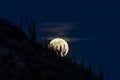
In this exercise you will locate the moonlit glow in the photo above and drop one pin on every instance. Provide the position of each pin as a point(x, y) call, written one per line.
point(60, 46)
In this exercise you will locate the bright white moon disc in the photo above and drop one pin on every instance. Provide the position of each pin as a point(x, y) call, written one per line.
point(60, 46)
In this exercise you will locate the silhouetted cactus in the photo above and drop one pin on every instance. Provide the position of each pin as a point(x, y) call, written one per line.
point(64, 50)
point(101, 74)
point(94, 66)
point(82, 62)
point(21, 23)
point(108, 75)
point(32, 30)
point(114, 78)
point(90, 65)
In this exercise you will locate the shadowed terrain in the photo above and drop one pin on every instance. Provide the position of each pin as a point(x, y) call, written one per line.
point(22, 58)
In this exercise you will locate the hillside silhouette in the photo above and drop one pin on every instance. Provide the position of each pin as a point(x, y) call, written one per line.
point(22, 58)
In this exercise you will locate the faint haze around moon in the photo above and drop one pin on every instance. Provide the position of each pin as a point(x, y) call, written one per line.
point(60, 46)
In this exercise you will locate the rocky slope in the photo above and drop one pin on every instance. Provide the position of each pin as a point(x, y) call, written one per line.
point(24, 59)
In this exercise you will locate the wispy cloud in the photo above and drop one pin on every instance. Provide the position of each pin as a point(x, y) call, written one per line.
point(75, 39)
point(66, 38)
point(61, 30)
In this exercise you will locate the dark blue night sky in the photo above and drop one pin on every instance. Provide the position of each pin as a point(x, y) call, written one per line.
point(98, 22)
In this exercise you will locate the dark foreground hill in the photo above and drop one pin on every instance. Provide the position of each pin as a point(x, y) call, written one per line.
point(24, 59)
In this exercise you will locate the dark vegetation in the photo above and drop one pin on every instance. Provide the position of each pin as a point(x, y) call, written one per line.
point(22, 58)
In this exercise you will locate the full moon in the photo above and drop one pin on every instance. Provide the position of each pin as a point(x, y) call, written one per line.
point(60, 46)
